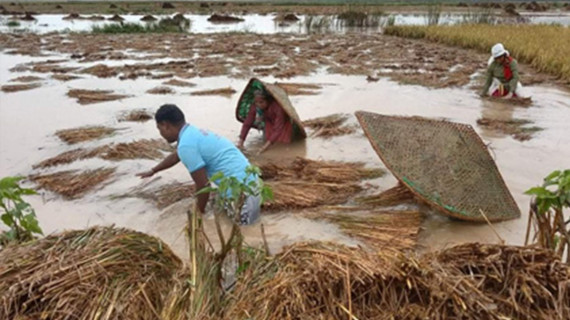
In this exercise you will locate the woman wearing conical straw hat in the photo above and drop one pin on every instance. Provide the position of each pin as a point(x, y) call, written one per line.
point(502, 78)
point(267, 111)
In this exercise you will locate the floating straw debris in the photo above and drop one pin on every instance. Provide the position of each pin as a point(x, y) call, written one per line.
point(297, 89)
point(138, 115)
point(72, 136)
point(93, 96)
point(226, 92)
point(304, 194)
point(379, 230)
point(391, 197)
point(68, 157)
point(138, 149)
point(98, 273)
point(321, 171)
point(513, 127)
point(330, 126)
point(72, 184)
point(166, 195)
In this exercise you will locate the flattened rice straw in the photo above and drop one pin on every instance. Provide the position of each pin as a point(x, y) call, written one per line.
point(166, 195)
point(393, 196)
point(321, 171)
point(138, 115)
point(179, 83)
point(513, 127)
point(72, 184)
point(138, 149)
point(68, 157)
point(93, 96)
point(20, 87)
point(303, 194)
point(161, 90)
point(72, 136)
point(215, 92)
point(472, 281)
point(296, 89)
point(330, 126)
point(101, 272)
point(379, 230)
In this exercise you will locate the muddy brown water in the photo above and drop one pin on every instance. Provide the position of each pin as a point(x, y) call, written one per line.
point(29, 119)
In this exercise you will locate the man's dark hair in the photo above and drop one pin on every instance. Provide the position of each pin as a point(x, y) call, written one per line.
point(169, 113)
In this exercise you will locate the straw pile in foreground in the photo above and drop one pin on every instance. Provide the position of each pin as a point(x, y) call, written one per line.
point(72, 136)
point(98, 273)
point(73, 184)
point(329, 126)
point(306, 183)
point(472, 281)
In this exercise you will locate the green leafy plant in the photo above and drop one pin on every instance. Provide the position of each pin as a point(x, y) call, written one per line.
point(17, 214)
point(207, 264)
point(546, 213)
point(231, 192)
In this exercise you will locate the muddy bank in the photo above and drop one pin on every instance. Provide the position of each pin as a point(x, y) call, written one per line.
point(249, 55)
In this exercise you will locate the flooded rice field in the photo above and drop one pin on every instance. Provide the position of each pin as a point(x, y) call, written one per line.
point(63, 81)
point(270, 23)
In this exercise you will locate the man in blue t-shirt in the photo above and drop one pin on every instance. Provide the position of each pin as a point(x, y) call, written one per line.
point(204, 153)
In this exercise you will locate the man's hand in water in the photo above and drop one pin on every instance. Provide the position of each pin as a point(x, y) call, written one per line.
point(240, 144)
point(508, 96)
point(146, 174)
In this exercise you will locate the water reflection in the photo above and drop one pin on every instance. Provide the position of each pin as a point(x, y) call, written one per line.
point(266, 24)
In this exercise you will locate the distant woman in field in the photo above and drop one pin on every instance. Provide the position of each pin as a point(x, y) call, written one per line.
point(277, 124)
point(502, 75)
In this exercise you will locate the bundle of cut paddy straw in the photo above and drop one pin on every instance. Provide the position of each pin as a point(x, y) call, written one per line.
point(138, 115)
point(138, 149)
point(306, 183)
point(329, 126)
point(304, 194)
point(68, 157)
point(474, 281)
point(379, 230)
point(393, 196)
point(72, 136)
point(166, 195)
point(98, 273)
point(320, 171)
point(73, 184)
